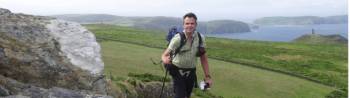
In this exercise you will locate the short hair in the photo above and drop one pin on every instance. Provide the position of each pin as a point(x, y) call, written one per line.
point(190, 14)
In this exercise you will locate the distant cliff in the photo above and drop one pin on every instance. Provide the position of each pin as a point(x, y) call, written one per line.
point(302, 20)
point(157, 23)
point(224, 26)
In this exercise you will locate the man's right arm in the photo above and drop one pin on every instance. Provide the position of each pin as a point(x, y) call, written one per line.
point(166, 56)
point(175, 42)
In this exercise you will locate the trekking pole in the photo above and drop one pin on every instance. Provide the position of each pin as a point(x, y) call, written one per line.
point(160, 63)
point(161, 91)
point(166, 73)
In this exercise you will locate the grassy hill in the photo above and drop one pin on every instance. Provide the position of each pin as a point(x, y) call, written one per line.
point(321, 39)
point(157, 23)
point(321, 64)
point(230, 80)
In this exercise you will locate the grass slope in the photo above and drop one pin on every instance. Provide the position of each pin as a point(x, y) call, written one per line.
point(323, 63)
point(324, 39)
point(230, 80)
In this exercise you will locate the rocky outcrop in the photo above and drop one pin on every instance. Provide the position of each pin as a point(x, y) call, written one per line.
point(42, 56)
point(15, 89)
point(153, 89)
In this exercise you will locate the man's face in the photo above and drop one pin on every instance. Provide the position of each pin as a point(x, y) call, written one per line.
point(189, 24)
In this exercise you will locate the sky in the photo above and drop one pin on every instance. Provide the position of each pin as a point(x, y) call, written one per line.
point(243, 10)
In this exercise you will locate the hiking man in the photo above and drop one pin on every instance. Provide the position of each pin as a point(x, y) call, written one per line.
point(182, 65)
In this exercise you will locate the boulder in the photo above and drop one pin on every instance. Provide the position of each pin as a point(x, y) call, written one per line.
point(48, 55)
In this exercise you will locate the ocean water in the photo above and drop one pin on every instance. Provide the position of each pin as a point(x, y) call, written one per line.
point(285, 33)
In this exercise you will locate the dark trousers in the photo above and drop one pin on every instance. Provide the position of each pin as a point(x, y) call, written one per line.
point(183, 80)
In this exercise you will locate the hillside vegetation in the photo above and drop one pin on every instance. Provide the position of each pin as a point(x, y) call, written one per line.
point(320, 63)
point(321, 39)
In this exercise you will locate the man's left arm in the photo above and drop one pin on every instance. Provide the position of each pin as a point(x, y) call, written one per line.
point(205, 66)
point(204, 61)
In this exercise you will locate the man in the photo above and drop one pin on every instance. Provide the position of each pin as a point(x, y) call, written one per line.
point(182, 66)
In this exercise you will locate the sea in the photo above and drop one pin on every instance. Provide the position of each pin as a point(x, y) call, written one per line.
point(285, 33)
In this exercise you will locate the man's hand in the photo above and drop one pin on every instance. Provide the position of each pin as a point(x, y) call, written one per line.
point(166, 57)
point(166, 60)
point(209, 81)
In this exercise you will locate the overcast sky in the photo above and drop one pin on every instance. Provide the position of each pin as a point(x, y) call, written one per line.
point(244, 10)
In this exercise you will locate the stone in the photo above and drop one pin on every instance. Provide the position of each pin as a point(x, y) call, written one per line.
point(42, 56)
point(4, 91)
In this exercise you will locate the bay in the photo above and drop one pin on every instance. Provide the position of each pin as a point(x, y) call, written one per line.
point(285, 33)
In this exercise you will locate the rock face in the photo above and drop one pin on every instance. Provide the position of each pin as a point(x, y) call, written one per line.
point(153, 89)
point(48, 57)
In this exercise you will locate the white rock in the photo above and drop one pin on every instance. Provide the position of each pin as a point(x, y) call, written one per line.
point(78, 44)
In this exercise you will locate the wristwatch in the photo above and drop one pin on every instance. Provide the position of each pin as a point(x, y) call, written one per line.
point(207, 76)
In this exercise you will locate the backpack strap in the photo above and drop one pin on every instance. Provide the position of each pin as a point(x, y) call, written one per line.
point(182, 42)
point(200, 39)
point(201, 50)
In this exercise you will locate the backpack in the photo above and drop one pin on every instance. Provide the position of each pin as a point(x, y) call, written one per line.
point(173, 31)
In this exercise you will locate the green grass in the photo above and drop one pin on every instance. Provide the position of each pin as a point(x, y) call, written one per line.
point(326, 64)
point(230, 80)
point(324, 39)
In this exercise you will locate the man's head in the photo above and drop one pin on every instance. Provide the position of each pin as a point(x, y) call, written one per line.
point(190, 22)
